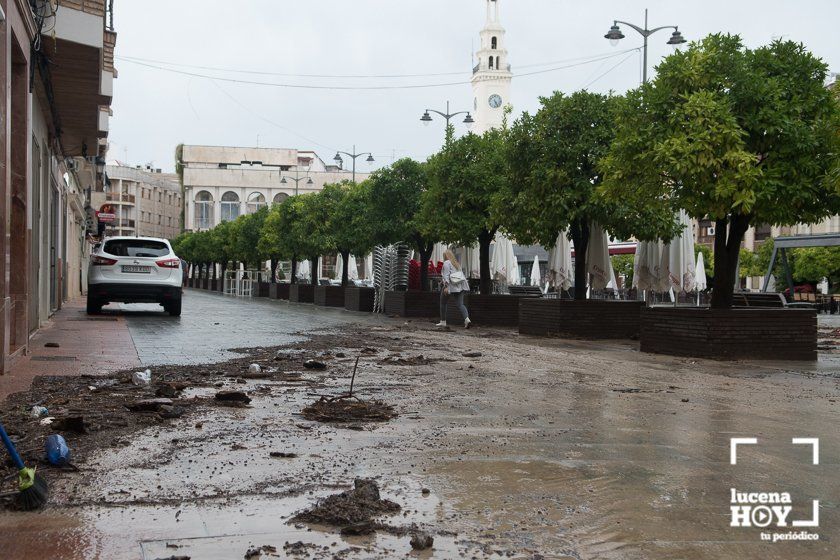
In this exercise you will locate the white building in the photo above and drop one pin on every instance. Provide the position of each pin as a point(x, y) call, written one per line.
point(144, 201)
point(222, 183)
point(492, 75)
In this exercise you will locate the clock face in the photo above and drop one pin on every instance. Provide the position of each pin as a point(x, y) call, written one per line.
point(495, 101)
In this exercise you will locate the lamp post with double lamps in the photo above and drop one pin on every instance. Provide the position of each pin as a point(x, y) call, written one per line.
point(353, 156)
point(615, 35)
point(297, 179)
point(426, 119)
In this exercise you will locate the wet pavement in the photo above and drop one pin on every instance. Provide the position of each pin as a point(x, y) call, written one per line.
point(535, 449)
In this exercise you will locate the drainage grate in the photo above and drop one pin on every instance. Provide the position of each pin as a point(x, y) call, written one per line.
point(53, 358)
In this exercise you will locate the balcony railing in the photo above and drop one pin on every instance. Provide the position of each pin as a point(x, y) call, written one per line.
point(118, 197)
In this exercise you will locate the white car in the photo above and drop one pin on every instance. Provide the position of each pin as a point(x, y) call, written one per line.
point(134, 270)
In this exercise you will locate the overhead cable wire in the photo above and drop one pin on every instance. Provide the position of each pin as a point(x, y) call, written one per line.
point(358, 88)
point(620, 62)
point(136, 59)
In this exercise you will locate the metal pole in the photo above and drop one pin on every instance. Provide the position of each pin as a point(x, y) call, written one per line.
point(354, 163)
point(645, 49)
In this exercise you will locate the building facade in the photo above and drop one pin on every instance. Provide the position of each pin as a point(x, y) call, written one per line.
point(144, 201)
point(222, 183)
point(57, 78)
point(492, 75)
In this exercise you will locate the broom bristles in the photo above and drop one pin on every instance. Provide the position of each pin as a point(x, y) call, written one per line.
point(35, 496)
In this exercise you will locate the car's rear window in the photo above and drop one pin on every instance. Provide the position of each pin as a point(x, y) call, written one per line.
point(136, 248)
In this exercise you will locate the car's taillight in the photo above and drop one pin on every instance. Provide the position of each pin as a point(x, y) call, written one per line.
point(102, 261)
point(169, 263)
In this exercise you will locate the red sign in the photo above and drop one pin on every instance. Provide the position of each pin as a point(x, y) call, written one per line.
point(106, 214)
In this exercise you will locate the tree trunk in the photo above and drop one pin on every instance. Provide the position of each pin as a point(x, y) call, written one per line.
point(425, 249)
point(274, 264)
point(485, 282)
point(727, 251)
point(580, 237)
point(293, 279)
point(314, 266)
point(345, 258)
point(215, 277)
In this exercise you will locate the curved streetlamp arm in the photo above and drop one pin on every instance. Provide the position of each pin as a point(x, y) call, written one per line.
point(354, 156)
point(644, 32)
point(447, 116)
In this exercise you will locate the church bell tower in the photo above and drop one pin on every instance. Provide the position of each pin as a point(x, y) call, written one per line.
point(491, 76)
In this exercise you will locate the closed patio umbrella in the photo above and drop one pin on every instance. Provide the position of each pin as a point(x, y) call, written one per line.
point(560, 263)
point(700, 274)
point(437, 254)
point(598, 257)
point(369, 267)
point(504, 265)
point(536, 277)
point(680, 264)
point(352, 268)
point(339, 266)
point(304, 270)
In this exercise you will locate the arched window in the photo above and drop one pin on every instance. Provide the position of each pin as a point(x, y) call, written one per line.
point(230, 206)
point(498, 64)
point(491, 63)
point(494, 43)
point(203, 210)
point(280, 197)
point(255, 202)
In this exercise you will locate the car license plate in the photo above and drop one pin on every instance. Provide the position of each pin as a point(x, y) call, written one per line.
point(136, 269)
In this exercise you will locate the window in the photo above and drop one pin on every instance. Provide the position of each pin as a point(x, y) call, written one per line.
point(230, 206)
point(494, 43)
point(280, 197)
point(498, 63)
point(255, 202)
point(491, 63)
point(203, 210)
point(136, 248)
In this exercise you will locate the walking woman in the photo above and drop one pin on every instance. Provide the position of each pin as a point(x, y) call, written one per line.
point(454, 284)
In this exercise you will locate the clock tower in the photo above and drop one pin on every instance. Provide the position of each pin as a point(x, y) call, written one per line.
point(491, 76)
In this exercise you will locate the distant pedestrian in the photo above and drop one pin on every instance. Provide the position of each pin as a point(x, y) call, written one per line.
point(454, 284)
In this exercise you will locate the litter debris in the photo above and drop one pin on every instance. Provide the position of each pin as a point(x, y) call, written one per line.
point(357, 529)
point(72, 424)
point(359, 505)
point(314, 364)
point(38, 411)
point(282, 455)
point(348, 409)
point(254, 368)
point(257, 552)
point(233, 397)
point(141, 378)
point(47, 421)
point(422, 541)
point(148, 405)
point(472, 354)
point(58, 453)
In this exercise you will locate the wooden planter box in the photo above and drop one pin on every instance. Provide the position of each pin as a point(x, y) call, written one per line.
point(301, 293)
point(278, 291)
point(591, 319)
point(262, 289)
point(756, 334)
point(214, 285)
point(204, 283)
point(412, 304)
point(329, 296)
point(359, 299)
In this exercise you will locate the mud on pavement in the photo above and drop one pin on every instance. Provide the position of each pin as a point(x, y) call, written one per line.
point(502, 446)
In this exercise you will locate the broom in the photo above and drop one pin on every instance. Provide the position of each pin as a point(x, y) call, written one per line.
point(32, 488)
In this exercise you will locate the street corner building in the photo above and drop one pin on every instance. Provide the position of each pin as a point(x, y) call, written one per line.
point(142, 201)
point(223, 182)
point(58, 73)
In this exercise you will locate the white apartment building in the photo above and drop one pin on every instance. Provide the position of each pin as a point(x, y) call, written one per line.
point(145, 201)
point(221, 183)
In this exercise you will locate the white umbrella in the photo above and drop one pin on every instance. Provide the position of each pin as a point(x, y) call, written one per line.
point(681, 272)
point(663, 279)
point(369, 267)
point(560, 263)
point(470, 261)
point(771, 284)
point(339, 267)
point(304, 271)
point(536, 277)
point(700, 268)
point(352, 268)
point(437, 254)
point(504, 265)
point(317, 273)
point(646, 265)
point(598, 257)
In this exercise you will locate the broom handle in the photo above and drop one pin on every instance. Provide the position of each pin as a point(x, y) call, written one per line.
point(11, 448)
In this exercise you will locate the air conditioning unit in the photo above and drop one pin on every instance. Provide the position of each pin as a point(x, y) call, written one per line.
point(710, 231)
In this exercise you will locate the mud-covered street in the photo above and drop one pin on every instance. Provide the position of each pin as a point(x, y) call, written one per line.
point(502, 446)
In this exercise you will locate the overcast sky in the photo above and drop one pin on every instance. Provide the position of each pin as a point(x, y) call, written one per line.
point(155, 109)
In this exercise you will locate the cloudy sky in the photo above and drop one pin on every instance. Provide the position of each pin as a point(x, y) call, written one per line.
point(167, 49)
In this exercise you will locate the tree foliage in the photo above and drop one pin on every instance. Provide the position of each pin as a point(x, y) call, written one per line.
point(741, 136)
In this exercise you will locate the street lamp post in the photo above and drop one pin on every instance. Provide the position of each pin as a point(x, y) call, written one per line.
point(353, 156)
point(426, 119)
point(297, 179)
point(615, 35)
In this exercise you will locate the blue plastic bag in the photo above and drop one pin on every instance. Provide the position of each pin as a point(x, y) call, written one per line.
point(57, 451)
